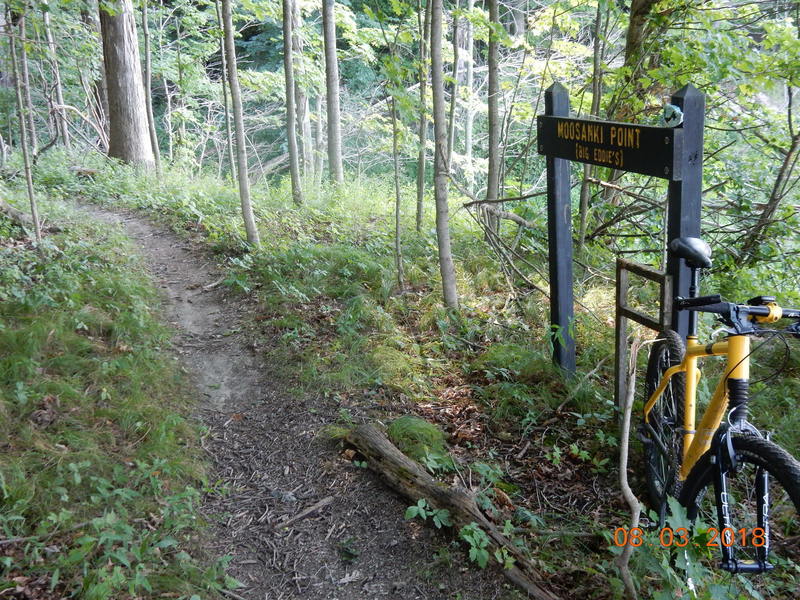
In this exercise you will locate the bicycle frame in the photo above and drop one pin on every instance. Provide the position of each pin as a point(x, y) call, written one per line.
point(697, 442)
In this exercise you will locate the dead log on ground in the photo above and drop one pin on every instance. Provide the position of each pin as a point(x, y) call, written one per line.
point(411, 480)
point(19, 217)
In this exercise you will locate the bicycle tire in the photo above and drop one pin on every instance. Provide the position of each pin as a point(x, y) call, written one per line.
point(666, 419)
point(752, 453)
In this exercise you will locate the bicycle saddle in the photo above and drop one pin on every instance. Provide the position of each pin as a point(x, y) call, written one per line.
point(694, 250)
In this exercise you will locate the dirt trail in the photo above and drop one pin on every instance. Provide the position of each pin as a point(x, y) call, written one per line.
point(264, 446)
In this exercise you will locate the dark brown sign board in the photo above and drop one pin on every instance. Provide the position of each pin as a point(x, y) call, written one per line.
point(654, 151)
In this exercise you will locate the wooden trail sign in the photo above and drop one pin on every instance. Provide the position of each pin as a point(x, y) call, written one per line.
point(671, 153)
point(641, 149)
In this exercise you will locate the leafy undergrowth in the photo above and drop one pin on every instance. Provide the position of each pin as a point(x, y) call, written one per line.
point(100, 476)
point(542, 450)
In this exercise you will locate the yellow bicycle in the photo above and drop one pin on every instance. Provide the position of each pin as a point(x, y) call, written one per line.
point(723, 469)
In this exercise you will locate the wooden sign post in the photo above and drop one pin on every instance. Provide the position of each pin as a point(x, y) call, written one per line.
point(672, 153)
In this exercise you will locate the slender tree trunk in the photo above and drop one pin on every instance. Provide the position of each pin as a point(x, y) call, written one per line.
point(595, 110)
point(441, 170)
point(26, 85)
point(319, 142)
point(223, 85)
point(451, 122)
point(98, 89)
point(291, 132)
point(61, 113)
point(779, 191)
point(129, 138)
point(424, 26)
point(398, 250)
point(469, 117)
point(493, 174)
point(238, 121)
point(332, 93)
point(23, 135)
point(300, 97)
point(148, 95)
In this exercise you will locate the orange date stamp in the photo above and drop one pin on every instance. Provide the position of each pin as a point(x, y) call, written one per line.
point(680, 537)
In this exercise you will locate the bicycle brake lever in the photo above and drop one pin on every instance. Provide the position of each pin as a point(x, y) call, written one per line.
point(794, 329)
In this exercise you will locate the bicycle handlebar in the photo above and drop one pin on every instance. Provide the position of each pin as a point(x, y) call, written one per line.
point(742, 317)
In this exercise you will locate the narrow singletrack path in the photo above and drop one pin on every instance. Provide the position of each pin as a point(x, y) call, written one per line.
point(267, 454)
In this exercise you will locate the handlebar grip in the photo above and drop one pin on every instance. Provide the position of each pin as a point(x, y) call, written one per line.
point(699, 301)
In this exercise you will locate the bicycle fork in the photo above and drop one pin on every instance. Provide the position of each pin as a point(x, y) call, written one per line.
point(726, 463)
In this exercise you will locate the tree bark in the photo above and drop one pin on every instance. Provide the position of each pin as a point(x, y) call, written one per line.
point(319, 141)
point(23, 136)
point(441, 168)
point(238, 121)
point(332, 93)
point(148, 95)
point(291, 133)
point(409, 479)
point(223, 84)
point(26, 86)
point(424, 26)
point(469, 116)
point(61, 113)
point(595, 111)
point(451, 122)
point(300, 97)
point(493, 172)
point(129, 137)
point(779, 190)
point(398, 250)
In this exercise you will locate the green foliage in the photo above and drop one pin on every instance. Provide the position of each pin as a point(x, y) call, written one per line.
point(422, 441)
point(478, 543)
point(423, 510)
point(99, 474)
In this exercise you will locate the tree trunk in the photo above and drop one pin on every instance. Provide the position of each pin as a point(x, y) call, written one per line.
point(238, 121)
point(26, 86)
point(23, 135)
point(424, 27)
point(451, 122)
point(291, 132)
point(409, 479)
point(398, 250)
point(779, 191)
point(129, 137)
point(96, 92)
point(148, 95)
point(224, 77)
point(469, 117)
point(441, 170)
point(61, 113)
point(493, 174)
point(300, 97)
point(595, 111)
point(319, 141)
point(332, 93)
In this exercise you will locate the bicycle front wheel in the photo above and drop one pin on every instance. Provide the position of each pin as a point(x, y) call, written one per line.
point(663, 442)
point(763, 501)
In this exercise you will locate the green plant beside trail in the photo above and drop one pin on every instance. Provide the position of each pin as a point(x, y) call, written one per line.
point(331, 310)
point(100, 475)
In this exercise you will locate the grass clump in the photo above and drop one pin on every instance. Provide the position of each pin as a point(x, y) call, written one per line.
point(100, 477)
point(422, 441)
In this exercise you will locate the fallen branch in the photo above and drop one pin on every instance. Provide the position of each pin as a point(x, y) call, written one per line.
point(19, 217)
point(627, 493)
point(304, 514)
point(410, 479)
